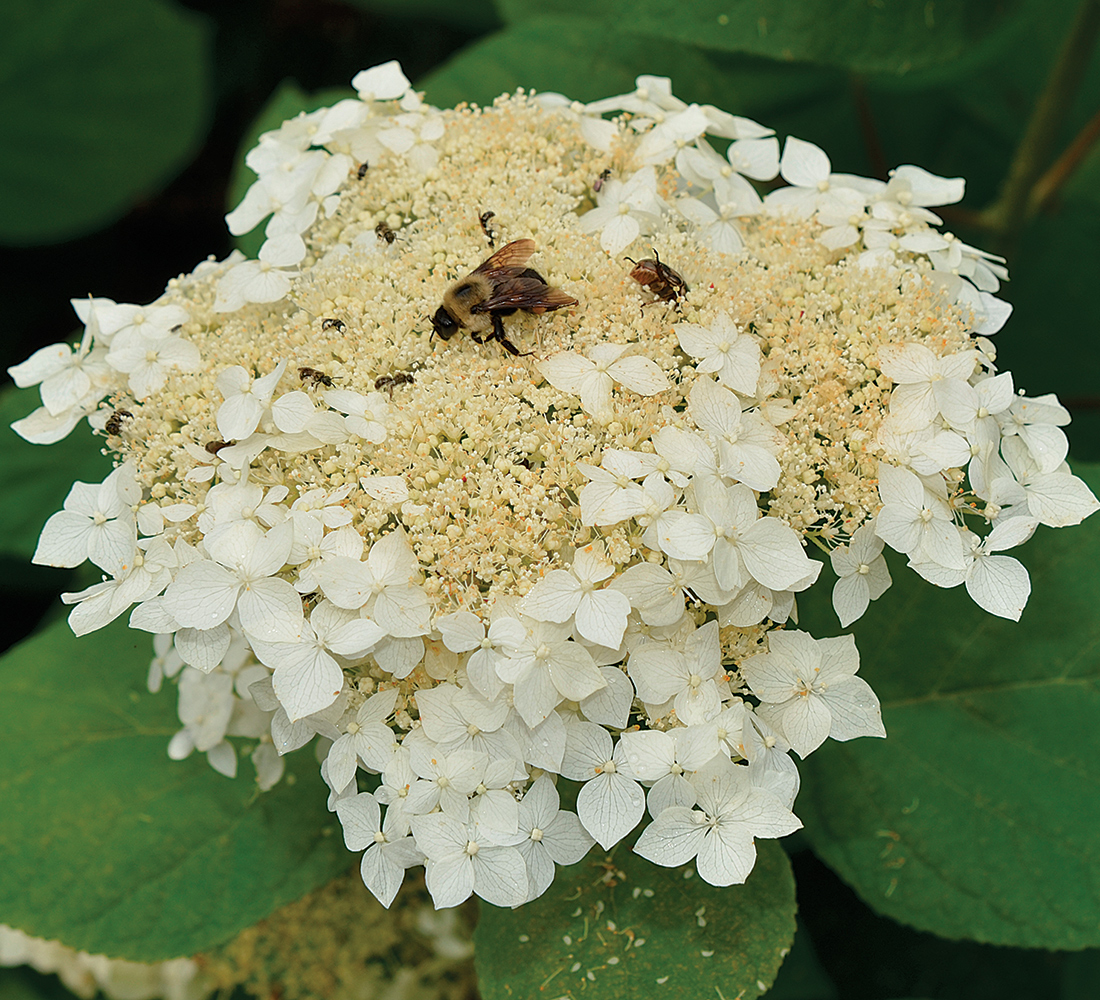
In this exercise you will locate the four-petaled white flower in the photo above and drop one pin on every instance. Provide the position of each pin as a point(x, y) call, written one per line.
point(862, 574)
point(366, 415)
point(385, 860)
point(600, 615)
point(245, 400)
point(723, 349)
point(720, 833)
point(747, 444)
point(624, 211)
point(97, 523)
point(809, 690)
point(366, 739)
point(611, 801)
point(546, 836)
point(592, 378)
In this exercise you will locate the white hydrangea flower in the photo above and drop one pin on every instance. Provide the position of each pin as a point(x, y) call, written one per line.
point(624, 211)
point(809, 690)
point(862, 574)
point(245, 400)
point(722, 349)
point(720, 834)
point(384, 861)
point(592, 378)
point(611, 801)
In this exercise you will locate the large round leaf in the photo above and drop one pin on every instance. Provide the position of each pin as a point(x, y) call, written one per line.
point(977, 816)
point(624, 927)
point(102, 101)
point(111, 847)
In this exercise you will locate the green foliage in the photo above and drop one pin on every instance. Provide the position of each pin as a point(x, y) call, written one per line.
point(894, 38)
point(34, 478)
point(582, 937)
point(102, 101)
point(111, 847)
point(976, 817)
point(563, 53)
point(288, 101)
point(801, 976)
point(25, 984)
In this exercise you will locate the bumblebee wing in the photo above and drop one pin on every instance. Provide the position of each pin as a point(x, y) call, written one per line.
point(514, 254)
point(521, 292)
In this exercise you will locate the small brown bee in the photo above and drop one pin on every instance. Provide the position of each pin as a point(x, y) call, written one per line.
point(499, 287)
point(385, 233)
point(315, 377)
point(659, 278)
point(597, 184)
point(389, 382)
point(333, 324)
point(215, 446)
point(116, 420)
point(487, 229)
point(362, 171)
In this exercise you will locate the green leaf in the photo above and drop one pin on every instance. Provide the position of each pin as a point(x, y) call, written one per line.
point(286, 102)
point(571, 55)
point(894, 38)
point(977, 816)
point(102, 101)
point(36, 478)
point(111, 847)
point(582, 936)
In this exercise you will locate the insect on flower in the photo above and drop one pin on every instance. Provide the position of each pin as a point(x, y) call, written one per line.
point(667, 284)
point(116, 420)
point(333, 324)
point(499, 287)
point(490, 235)
point(362, 171)
point(597, 184)
point(384, 233)
point(213, 447)
point(315, 377)
point(388, 382)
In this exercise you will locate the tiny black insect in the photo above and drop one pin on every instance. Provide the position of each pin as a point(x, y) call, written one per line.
point(333, 324)
point(385, 233)
point(215, 446)
point(389, 382)
point(598, 182)
point(315, 377)
point(490, 235)
point(362, 171)
point(116, 420)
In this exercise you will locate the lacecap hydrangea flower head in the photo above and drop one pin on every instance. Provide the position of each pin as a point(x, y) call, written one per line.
point(471, 571)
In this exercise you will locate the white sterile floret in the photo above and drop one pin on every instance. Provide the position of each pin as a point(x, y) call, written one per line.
point(383, 586)
point(546, 835)
point(97, 523)
point(448, 778)
point(720, 833)
point(611, 801)
point(240, 574)
point(1036, 422)
point(743, 544)
point(926, 384)
point(367, 740)
point(723, 349)
point(245, 400)
point(624, 211)
point(592, 378)
point(461, 719)
point(385, 861)
point(366, 415)
point(998, 584)
point(914, 521)
point(265, 280)
point(862, 574)
point(384, 82)
point(688, 678)
point(661, 143)
point(149, 357)
point(664, 757)
point(1057, 499)
point(813, 187)
point(746, 443)
point(809, 690)
point(463, 859)
point(545, 667)
point(561, 595)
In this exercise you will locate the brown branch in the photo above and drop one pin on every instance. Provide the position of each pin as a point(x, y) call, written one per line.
point(871, 141)
point(1048, 186)
point(1034, 152)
